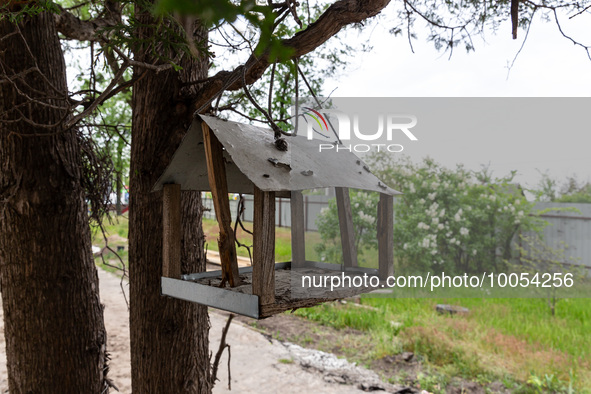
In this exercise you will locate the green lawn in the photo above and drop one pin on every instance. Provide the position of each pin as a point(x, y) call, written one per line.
point(515, 341)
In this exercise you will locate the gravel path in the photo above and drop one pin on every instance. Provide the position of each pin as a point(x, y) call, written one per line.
point(258, 364)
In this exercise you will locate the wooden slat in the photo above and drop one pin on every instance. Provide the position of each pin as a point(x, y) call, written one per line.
point(216, 172)
point(386, 236)
point(263, 261)
point(298, 233)
point(346, 226)
point(171, 236)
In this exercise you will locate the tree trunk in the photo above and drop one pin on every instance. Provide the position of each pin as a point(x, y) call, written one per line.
point(119, 176)
point(169, 337)
point(54, 329)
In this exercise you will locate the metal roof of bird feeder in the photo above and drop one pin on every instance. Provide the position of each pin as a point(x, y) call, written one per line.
point(252, 159)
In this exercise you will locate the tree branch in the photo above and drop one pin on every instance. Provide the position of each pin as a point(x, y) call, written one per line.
point(74, 28)
point(100, 99)
point(218, 355)
point(337, 16)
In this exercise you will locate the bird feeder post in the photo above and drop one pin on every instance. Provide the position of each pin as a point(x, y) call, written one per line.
point(216, 173)
point(346, 225)
point(298, 231)
point(385, 236)
point(171, 236)
point(263, 261)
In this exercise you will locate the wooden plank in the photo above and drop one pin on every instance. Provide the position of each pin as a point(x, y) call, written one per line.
point(346, 226)
point(386, 236)
point(263, 259)
point(171, 235)
point(298, 232)
point(216, 172)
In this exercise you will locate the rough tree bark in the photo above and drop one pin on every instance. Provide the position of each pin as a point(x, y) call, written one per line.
point(119, 175)
point(54, 330)
point(169, 337)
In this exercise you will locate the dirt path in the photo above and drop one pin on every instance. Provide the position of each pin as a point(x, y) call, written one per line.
point(258, 364)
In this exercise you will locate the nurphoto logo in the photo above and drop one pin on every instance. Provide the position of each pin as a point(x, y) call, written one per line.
point(385, 128)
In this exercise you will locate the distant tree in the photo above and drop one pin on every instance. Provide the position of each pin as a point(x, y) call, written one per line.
point(552, 271)
point(569, 190)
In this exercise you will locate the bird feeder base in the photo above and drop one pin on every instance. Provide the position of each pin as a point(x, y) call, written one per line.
point(203, 288)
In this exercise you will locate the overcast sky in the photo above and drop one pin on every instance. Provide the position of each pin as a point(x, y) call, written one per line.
point(548, 66)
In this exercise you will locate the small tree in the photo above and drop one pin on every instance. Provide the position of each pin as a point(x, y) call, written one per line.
point(551, 269)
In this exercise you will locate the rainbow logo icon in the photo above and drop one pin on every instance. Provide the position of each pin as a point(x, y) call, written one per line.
point(317, 116)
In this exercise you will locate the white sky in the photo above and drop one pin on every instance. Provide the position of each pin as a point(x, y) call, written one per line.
point(548, 66)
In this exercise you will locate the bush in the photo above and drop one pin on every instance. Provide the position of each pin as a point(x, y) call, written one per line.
point(447, 220)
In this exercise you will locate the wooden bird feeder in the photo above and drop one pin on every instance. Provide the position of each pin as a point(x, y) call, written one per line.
point(228, 157)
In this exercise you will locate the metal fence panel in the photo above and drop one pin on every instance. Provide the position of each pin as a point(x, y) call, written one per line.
point(568, 230)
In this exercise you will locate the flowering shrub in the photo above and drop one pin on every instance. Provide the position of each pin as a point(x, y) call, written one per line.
point(453, 220)
point(446, 220)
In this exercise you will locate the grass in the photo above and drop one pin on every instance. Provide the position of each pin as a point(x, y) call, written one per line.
point(512, 340)
point(117, 225)
point(516, 341)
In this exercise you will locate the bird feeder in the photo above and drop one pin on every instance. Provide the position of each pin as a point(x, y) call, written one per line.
point(229, 157)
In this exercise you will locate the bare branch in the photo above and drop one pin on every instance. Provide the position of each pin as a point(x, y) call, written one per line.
point(134, 63)
point(408, 23)
point(431, 21)
point(580, 12)
point(100, 99)
point(337, 16)
point(292, 8)
point(233, 109)
point(509, 67)
point(223, 345)
point(274, 126)
point(585, 47)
